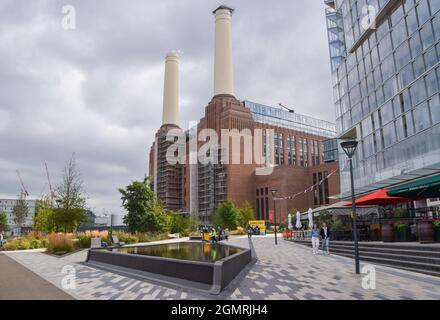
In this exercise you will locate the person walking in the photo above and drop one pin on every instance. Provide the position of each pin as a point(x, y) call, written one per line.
point(315, 239)
point(325, 235)
point(2, 238)
point(249, 231)
point(226, 234)
point(219, 232)
point(213, 235)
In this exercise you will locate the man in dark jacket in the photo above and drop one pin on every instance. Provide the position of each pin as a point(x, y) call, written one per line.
point(325, 235)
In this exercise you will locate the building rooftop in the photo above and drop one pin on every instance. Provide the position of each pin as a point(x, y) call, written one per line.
point(280, 118)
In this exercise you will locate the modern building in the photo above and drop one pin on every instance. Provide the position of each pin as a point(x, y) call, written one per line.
point(385, 67)
point(7, 206)
point(290, 144)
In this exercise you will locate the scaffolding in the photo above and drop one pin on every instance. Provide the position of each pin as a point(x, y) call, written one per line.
point(212, 188)
point(169, 178)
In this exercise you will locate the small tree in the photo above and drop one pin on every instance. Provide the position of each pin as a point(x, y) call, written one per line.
point(3, 222)
point(20, 211)
point(71, 198)
point(44, 219)
point(179, 224)
point(144, 211)
point(245, 213)
point(226, 216)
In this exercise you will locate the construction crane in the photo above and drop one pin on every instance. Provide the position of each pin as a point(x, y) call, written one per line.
point(52, 194)
point(282, 106)
point(24, 192)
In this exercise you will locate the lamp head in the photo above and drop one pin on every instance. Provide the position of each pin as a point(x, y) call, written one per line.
point(349, 147)
point(273, 191)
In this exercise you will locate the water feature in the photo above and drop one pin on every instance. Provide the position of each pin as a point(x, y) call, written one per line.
point(193, 251)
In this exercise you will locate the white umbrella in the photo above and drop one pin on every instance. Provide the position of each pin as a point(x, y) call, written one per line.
point(289, 221)
point(298, 220)
point(310, 216)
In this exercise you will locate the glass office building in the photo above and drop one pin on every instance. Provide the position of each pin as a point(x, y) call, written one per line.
point(385, 69)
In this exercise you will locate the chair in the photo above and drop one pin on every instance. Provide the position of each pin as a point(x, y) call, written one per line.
point(95, 243)
point(116, 242)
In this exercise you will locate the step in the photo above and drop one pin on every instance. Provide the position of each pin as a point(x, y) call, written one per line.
point(362, 245)
point(398, 251)
point(397, 266)
point(401, 257)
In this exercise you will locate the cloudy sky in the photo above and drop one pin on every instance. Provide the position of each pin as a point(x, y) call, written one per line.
point(97, 90)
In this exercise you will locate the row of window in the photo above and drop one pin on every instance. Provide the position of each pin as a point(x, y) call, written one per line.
point(321, 192)
point(285, 148)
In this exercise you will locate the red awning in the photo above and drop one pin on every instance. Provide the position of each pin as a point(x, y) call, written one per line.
point(379, 198)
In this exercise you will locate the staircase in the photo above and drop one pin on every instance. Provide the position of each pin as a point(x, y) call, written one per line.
point(422, 258)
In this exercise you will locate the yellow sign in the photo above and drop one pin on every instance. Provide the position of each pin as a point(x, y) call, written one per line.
point(261, 224)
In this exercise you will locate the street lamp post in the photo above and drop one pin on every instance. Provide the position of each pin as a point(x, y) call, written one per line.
point(349, 148)
point(274, 191)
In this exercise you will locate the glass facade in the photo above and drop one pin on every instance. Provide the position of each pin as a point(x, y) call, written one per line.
point(386, 88)
point(280, 118)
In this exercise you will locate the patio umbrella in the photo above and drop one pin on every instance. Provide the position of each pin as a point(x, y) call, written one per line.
point(289, 221)
point(310, 217)
point(379, 198)
point(298, 224)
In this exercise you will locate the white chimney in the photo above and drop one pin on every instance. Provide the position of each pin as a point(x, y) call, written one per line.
point(223, 71)
point(171, 90)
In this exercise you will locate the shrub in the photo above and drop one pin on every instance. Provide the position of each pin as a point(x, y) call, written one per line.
point(150, 237)
point(126, 237)
point(60, 243)
point(401, 226)
point(35, 243)
point(17, 244)
point(436, 224)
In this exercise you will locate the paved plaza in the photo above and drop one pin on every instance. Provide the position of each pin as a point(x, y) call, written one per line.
point(287, 271)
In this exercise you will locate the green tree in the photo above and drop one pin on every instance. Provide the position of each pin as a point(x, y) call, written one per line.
point(226, 216)
point(20, 211)
point(44, 219)
point(71, 198)
point(179, 224)
point(3, 222)
point(245, 213)
point(144, 211)
point(193, 222)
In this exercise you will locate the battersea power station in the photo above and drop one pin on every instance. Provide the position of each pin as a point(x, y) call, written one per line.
point(240, 150)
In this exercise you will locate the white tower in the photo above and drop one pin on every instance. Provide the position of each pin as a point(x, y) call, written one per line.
point(223, 70)
point(171, 90)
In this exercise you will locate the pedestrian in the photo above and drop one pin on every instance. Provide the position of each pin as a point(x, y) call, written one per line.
point(325, 235)
point(1, 239)
point(227, 234)
point(257, 230)
point(249, 231)
point(219, 232)
point(315, 238)
point(213, 235)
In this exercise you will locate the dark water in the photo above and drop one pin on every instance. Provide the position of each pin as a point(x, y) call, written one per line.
point(194, 251)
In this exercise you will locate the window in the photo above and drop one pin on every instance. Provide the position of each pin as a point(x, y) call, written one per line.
point(419, 66)
point(294, 150)
point(389, 134)
point(315, 192)
point(416, 45)
point(402, 55)
point(434, 106)
point(306, 153)
point(408, 125)
point(411, 21)
point(277, 153)
point(281, 137)
point(399, 33)
point(418, 92)
point(427, 35)
point(423, 11)
point(431, 83)
point(421, 117)
point(289, 150)
point(326, 189)
point(430, 58)
point(321, 198)
point(406, 75)
point(386, 112)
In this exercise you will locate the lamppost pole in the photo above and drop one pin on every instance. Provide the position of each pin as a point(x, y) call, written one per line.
point(274, 191)
point(349, 149)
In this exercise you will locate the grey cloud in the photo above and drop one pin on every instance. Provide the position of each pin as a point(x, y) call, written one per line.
point(97, 91)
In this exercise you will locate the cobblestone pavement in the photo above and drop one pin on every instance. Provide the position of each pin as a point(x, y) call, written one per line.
point(288, 271)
